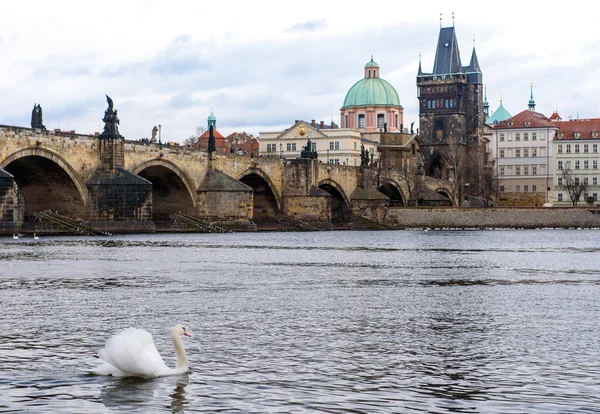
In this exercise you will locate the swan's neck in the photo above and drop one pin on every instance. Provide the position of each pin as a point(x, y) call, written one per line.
point(182, 361)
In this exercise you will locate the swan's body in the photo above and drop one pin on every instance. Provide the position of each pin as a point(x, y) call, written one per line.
point(131, 353)
point(15, 236)
point(35, 236)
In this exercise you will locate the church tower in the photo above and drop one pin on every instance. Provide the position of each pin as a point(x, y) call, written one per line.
point(451, 108)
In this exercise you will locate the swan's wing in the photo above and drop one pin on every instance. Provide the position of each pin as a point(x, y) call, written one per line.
point(132, 352)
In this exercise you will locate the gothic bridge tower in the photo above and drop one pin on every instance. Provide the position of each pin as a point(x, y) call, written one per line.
point(451, 111)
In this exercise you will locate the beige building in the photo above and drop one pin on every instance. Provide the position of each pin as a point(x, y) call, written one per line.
point(523, 158)
point(333, 145)
point(576, 148)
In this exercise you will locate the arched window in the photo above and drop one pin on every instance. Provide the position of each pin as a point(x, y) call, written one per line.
point(361, 120)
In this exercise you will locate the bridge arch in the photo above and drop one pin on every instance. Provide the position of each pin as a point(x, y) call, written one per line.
point(172, 189)
point(267, 201)
point(393, 191)
point(446, 193)
point(340, 203)
point(47, 182)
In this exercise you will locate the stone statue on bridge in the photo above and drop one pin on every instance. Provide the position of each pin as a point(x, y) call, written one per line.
point(111, 120)
point(36, 117)
point(154, 131)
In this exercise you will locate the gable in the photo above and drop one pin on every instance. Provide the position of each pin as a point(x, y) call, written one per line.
point(301, 130)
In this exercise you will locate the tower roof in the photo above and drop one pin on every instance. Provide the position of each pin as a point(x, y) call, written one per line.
point(474, 64)
point(447, 56)
point(371, 90)
point(371, 64)
point(499, 115)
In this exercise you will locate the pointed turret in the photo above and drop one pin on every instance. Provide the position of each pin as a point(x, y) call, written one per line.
point(474, 64)
point(447, 56)
point(486, 105)
point(531, 100)
point(420, 70)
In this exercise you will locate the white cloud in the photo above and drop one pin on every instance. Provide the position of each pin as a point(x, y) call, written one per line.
point(261, 65)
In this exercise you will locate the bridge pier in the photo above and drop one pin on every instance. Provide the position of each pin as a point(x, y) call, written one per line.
point(11, 204)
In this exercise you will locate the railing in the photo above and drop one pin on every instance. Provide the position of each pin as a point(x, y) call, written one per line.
point(69, 224)
point(199, 224)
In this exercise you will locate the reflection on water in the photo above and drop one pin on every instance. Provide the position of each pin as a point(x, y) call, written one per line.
point(365, 322)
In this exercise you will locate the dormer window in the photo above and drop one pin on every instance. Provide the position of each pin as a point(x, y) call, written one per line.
point(560, 135)
point(527, 124)
point(594, 134)
point(577, 134)
point(510, 124)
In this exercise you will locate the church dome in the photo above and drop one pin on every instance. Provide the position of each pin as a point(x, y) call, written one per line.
point(371, 90)
point(211, 117)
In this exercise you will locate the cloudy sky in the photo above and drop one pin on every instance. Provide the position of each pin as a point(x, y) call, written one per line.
point(259, 65)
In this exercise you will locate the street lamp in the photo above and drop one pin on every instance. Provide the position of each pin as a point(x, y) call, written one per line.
point(159, 136)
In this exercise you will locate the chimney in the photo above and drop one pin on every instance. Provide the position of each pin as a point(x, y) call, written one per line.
point(322, 124)
point(312, 122)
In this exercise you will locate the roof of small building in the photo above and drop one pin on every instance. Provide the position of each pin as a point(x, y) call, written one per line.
point(499, 115)
point(525, 119)
point(585, 128)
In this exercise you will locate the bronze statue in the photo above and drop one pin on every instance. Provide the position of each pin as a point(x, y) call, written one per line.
point(212, 145)
point(111, 120)
point(36, 117)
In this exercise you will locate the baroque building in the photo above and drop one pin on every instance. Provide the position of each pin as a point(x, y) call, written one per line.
point(372, 104)
point(451, 110)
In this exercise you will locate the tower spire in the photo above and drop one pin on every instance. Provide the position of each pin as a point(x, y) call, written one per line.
point(486, 105)
point(531, 100)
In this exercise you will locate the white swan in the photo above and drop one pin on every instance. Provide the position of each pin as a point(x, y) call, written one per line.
point(131, 353)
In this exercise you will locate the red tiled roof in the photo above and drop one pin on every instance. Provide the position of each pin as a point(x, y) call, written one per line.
point(584, 126)
point(555, 116)
point(535, 119)
point(216, 134)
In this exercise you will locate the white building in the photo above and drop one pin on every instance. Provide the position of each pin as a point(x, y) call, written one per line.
point(576, 148)
point(333, 145)
point(523, 156)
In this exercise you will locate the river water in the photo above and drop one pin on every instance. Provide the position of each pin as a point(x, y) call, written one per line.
point(325, 322)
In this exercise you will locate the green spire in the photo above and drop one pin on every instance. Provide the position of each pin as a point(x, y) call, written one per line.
point(531, 100)
point(486, 105)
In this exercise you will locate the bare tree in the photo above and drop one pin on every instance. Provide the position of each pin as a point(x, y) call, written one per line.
point(414, 182)
point(571, 184)
point(455, 159)
point(194, 139)
point(482, 176)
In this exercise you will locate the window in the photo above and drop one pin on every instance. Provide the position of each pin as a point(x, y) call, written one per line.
point(594, 180)
point(518, 189)
point(586, 181)
point(346, 121)
point(560, 165)
point(396, 125)
point(517, 137)
point(525, 170)
point(517, 170)
point(595, 195)
point(526, 188)
point(501, 137)
point(534, 136)
point(568, 148)
point(560, 197)
point(560, 181)
point(291, 146)
point(525, 152)
point(560, 149)
point(586, 148)
point(525, 136)
point(576, 148)
point(534, 170)
point(586, 165)
point(577, 164)
point(518, 153)
point(380, 120)
point(501, 153)
point(361, 121)
point(502, 188)
point(534, 188)
point(577, 181)
point(595, 164)
point(594, 148)
point(355, 145)
point(501, 170)
point(534, 152)
point(271, 147)
point(314, 146)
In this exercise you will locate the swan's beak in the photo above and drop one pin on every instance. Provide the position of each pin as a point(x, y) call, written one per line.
point(186, 333)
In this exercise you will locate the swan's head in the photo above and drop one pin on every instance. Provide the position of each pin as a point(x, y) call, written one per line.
point(180, 330)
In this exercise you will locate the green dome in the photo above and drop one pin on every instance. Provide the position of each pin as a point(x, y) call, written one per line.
point(371, 92)
point(211, 117)
point(371, 64)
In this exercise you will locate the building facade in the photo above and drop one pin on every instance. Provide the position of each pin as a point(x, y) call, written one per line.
point(575, 147)
point(333, 145)
point(523, 157)
point(372, 104)
point(450, 103)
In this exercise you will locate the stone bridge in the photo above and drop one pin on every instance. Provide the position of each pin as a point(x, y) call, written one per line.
point(119, 185)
